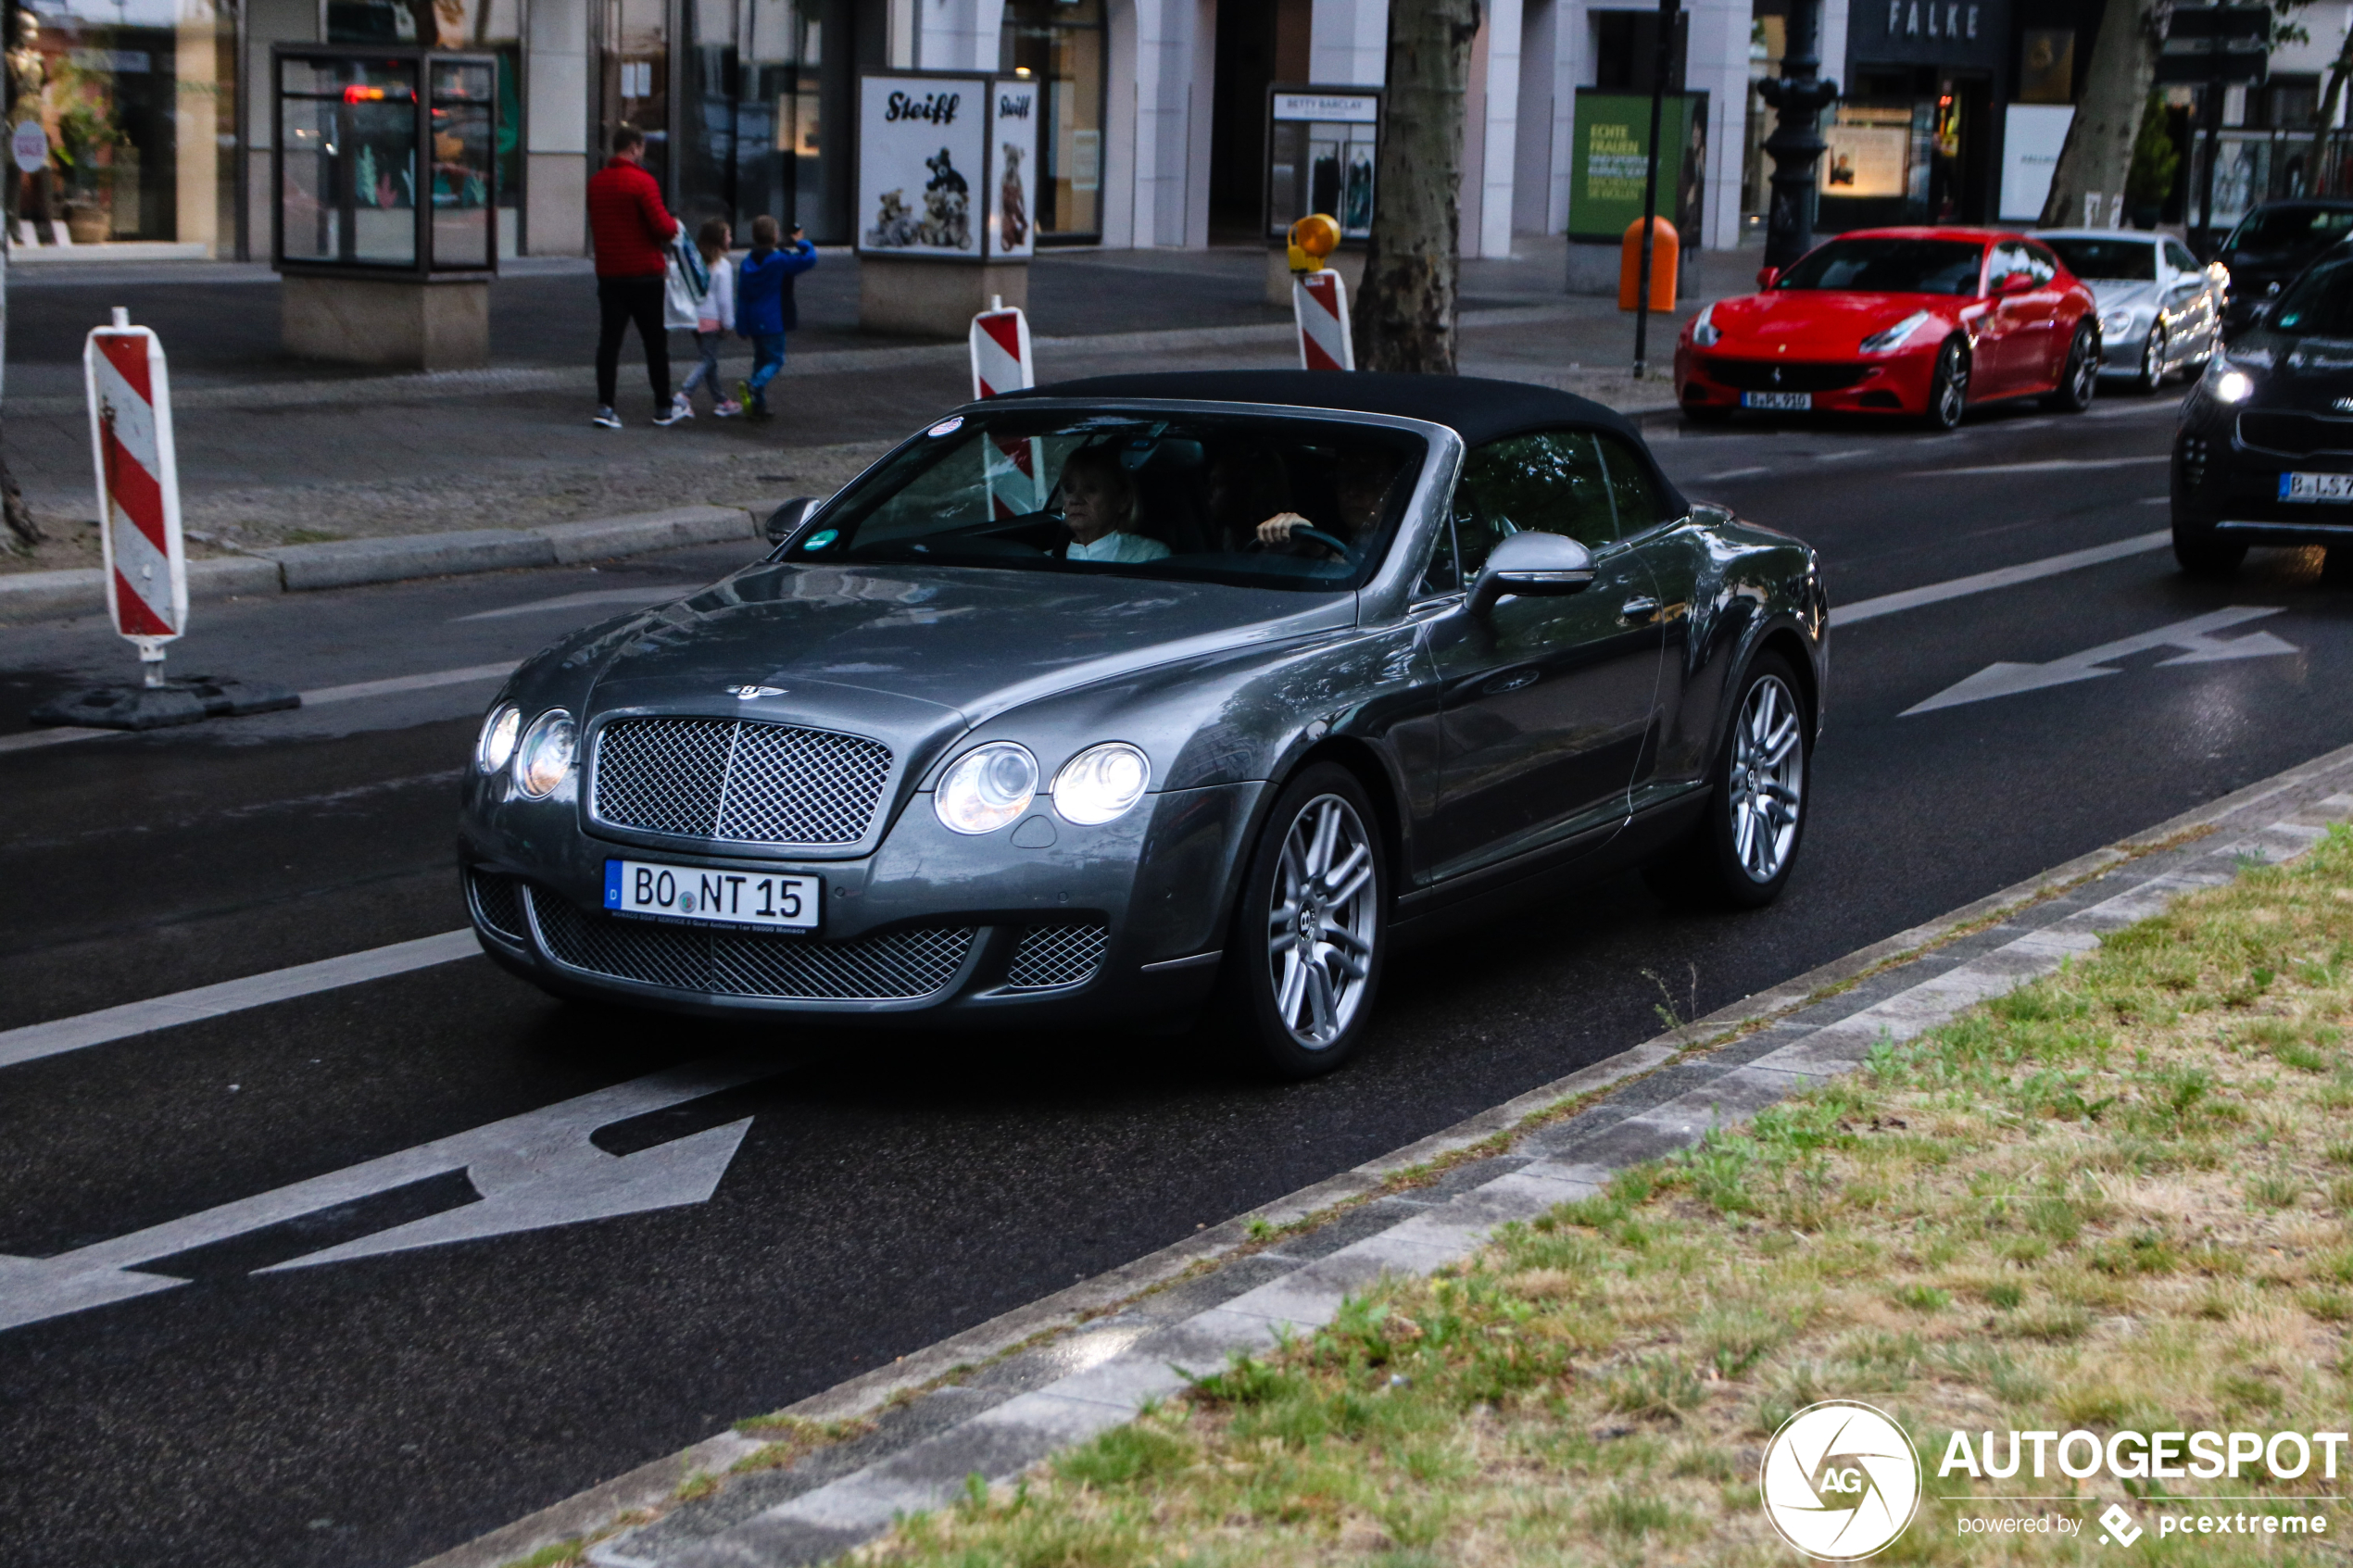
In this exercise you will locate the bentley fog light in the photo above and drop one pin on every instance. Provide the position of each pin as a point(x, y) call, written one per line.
point(1704, 332)
point(497, 741)
point(986, 788)
point(1894, 337)
point(1101, 782)
point(547, 754)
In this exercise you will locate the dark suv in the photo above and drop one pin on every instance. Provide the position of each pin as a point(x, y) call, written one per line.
point(2272, 245)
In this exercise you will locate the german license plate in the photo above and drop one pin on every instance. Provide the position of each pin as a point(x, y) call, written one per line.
point(2316, 487)
point(1787, 402)
point(644, 888)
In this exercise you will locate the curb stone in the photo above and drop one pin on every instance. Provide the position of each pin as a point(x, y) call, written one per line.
point(343, 563)
point(1162, 1311)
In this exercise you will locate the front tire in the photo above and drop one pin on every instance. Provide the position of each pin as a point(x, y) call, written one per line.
point(2152, 376)
point(2079, 377)
point(1948, 386)
point(2200, 554)
point(1742, 851)
point(1311, 929)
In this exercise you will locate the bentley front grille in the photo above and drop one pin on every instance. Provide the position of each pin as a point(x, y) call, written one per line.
point(498, 902)
point(736, 779)
point(1773, 375)
point(895, 966)
point(1051, 957)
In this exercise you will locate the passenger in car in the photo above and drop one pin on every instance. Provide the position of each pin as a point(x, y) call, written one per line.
point(1361, 478)
point(1100, 510)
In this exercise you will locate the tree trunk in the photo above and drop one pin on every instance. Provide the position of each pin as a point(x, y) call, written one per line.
point(2315, 160)
point(2098, 154)
point(23, 532)
point(1405, 316)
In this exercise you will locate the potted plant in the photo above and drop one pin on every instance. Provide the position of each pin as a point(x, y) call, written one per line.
point(87, 136)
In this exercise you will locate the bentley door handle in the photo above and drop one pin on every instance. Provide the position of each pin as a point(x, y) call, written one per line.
point(1640, 608)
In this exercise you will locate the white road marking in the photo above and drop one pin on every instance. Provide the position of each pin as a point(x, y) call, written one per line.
point(325, 695)
point(533, 1172)
point(31, 739)
point(2051, 465)
point(1736, 473)
point(2004, 577)
point(2193, 637)
point(649, 594)
point(37, 1040)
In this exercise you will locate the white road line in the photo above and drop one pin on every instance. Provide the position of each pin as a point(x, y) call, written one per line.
point(1736, 473)
point(648, 594)
point(1983, 582)
point(33, 738)
point(37, 1040)
point(325, 695)
point(2049, 465)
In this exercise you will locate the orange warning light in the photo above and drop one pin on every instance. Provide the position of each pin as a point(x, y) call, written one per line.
point(1312, 238)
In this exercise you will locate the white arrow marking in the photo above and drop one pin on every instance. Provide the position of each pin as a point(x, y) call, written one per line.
point(2193, 637)
point(533, 1171)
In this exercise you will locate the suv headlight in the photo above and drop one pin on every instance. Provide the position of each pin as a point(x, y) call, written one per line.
point(546, 753)
point(1704, 332)
point(1894, 337)
point(496, 742)
point(1101, 783)
point(986, 788)
point(2227, 383)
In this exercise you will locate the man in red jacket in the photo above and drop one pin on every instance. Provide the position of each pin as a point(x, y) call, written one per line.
point(632, 231)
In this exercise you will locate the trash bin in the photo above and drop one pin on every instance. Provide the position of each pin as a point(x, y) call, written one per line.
point(1666, 248)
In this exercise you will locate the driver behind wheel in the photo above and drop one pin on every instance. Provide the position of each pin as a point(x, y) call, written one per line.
point(1101, 509)
point(1361, 478)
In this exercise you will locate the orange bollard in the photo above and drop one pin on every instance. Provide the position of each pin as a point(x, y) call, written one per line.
point(1666, 248)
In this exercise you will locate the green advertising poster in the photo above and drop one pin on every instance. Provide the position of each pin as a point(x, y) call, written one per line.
point(1609, 154)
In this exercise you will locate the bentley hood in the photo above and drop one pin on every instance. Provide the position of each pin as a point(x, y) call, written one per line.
point(905, 649)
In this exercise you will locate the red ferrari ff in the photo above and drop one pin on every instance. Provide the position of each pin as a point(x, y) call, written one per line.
point(1919, 322)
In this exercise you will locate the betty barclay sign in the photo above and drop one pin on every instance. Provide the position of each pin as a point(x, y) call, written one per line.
point(1842, 1481)
point(946, 166)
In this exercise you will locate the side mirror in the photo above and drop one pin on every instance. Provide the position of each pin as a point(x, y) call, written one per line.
point(1531, 564)
point(2013, 282)
point(785, 519)
point(1765, 277)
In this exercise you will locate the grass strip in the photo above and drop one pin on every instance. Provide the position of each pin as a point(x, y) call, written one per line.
point(2116, 1198)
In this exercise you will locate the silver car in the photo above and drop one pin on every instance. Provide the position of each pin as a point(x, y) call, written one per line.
point(2160, 311)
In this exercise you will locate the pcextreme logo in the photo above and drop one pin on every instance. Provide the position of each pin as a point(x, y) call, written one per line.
point(1840, 1481)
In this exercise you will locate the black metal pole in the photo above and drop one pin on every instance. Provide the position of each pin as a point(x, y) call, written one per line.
point(2211, 112)
point(1661, 62)
point(1798, 97)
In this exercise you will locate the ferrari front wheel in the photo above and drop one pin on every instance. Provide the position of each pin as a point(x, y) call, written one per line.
point(2079, 377)
point(1948, 386)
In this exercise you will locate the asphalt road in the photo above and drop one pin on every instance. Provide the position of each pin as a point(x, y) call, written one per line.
point(890, 1190)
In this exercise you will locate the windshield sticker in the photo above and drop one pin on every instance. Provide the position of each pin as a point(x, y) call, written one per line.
point(821, 538)
point(948, 426)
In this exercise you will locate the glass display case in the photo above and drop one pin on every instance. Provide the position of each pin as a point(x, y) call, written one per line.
point(385, 161)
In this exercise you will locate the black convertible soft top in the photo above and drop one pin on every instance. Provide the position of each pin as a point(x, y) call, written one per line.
point(1475, 408)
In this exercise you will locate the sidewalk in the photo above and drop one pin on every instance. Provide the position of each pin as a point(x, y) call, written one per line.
point(275, 451)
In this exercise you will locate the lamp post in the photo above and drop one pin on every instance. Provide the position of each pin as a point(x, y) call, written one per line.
point(1663, 61)
point(1798, 99)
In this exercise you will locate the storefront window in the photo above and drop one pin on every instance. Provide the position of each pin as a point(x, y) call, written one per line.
point(485, 27)
point(1059, 43)
point(137, 100)
point(636, 86)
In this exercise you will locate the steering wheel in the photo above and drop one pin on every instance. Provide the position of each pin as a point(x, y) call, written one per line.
point(1338, 546)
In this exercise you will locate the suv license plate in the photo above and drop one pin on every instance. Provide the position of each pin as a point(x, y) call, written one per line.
point(2316, 487)
point(688, 893)
point(1785, 401)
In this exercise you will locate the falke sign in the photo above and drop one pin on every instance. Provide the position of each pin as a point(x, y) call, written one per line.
point(1969, 32)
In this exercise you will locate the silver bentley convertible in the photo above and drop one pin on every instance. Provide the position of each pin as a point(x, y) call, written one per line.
point(1129, 696)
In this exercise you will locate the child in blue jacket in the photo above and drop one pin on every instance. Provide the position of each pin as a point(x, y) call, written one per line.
point(765, 310)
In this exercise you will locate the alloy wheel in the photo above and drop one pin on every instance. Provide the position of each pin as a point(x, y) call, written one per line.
point(1323, 921)
point(2082, 373)
point(1769, 779)
point(2153, 361)
point(1951, 390)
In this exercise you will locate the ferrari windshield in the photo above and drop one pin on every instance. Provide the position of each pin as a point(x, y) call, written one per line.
point(2128, 261)
point(2318, 303)
point(1263, 503)
point(1887, 267)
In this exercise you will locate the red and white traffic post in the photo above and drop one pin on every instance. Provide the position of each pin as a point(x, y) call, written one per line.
point(1002, 363)
point(1319, 302)
point(138, 473)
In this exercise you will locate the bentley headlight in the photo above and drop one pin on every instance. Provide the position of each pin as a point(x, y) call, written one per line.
point(1704, 332)
point(2231, 385)
point(1894, 337)
point(986, 788)
point(1101, 782)
point(496, 742)
point(546, 755)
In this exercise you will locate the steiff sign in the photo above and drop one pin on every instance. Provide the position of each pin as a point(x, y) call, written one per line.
point(945, 165)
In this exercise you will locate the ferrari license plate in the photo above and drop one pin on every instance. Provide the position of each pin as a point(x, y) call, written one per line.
point(2316, 487)
point(687, 893)
point(1785, 401)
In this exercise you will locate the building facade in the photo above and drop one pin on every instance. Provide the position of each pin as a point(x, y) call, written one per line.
point(1156, 112)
